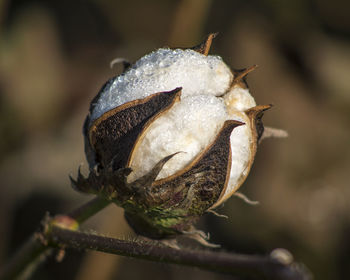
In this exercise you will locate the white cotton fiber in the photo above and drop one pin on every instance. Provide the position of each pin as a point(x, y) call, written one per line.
point(189, 127)
point(241, 138)
point(165, 70)
point(239, 99)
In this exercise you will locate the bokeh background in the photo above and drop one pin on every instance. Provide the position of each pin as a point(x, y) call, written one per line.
point(54, 57)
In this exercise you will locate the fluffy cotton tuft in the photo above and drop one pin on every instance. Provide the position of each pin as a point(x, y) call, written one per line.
point(239, 99)
point(165, 70)
point(241, 138)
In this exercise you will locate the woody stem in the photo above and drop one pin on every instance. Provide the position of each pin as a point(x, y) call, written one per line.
point(254, 267)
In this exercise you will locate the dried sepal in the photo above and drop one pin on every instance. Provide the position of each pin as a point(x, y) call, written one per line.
point(105, 182)
point(271, 132)
point(145, 192)
point(201, 237)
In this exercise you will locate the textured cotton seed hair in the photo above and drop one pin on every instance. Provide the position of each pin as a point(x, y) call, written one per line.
point(191, 124)
point(241, 138)
point(238, 99)
point(165, 70)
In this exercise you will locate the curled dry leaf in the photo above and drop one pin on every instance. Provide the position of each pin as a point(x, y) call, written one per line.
point(171, 138)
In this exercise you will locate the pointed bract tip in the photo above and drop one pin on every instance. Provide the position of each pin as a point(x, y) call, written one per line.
point(242, 73)
point(151, 176)
point(177, 92)
point(204, 47)
point(233, 123)
point(258, 110)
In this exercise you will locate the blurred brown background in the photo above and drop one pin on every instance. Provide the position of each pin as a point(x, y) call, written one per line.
point(54, 57)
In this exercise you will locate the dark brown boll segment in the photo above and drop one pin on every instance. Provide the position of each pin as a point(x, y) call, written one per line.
point(113, 135)
point(89, 152)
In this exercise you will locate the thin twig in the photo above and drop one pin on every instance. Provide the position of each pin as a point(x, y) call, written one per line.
point(88, 209)
point(255, 267)
point(35, 250)
point(26, 259)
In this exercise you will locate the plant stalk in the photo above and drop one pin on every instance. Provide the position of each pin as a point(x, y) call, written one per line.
point(254, 267)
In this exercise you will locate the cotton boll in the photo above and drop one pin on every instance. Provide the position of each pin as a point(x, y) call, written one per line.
point(185, 110)
point(189, 127)
point(164, 70)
